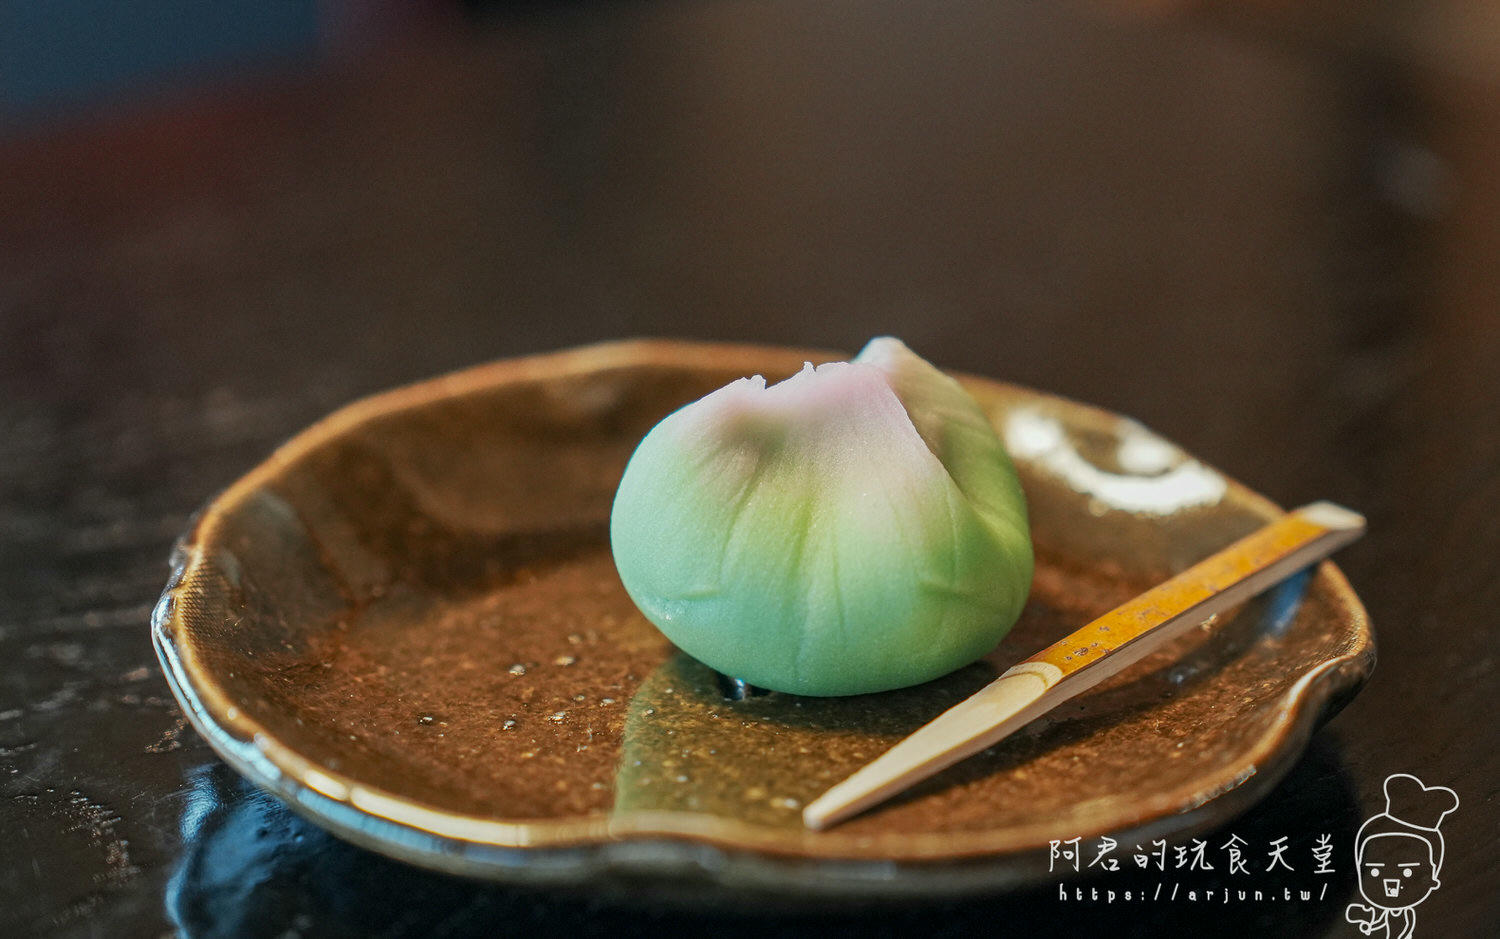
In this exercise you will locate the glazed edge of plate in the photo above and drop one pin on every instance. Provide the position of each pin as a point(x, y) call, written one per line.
point(679, 846)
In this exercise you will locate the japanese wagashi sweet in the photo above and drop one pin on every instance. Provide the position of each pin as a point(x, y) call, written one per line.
point(854, 528)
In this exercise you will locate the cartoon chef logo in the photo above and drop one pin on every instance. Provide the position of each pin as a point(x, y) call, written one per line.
point(1399, 854)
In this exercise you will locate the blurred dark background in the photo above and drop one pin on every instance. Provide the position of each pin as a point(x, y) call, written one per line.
point(1267, 229)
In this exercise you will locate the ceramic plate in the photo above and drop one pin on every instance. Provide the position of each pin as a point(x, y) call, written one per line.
point(406, 623)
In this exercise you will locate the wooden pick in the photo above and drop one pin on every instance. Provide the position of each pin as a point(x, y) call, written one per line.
point(1104, 647)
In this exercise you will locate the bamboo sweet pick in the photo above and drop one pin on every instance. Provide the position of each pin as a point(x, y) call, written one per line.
point(1104, 647)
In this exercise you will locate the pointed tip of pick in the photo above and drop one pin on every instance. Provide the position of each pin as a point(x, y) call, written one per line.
point(837, 806)
point(814, 818)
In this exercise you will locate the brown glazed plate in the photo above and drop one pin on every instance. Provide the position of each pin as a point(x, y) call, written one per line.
point(406, 623)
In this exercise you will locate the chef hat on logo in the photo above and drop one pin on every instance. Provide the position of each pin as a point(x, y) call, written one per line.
point(1410, 809)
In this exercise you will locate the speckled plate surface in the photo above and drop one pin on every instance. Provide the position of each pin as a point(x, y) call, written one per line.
point(407, 624)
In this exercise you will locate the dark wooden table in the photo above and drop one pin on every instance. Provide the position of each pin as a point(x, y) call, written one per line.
point(1274, 242)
